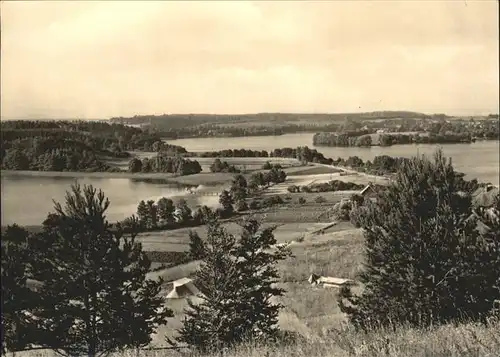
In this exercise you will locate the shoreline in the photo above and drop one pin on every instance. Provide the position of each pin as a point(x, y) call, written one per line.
point(203, 178)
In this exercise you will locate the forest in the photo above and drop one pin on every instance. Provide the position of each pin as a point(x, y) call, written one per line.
point(73, 145)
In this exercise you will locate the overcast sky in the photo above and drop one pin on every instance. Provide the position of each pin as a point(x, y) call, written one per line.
point(111, 58)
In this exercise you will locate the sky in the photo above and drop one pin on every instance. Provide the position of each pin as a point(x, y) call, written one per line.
point(71, 59)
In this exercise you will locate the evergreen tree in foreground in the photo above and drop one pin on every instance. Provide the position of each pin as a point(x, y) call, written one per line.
point(425, 260)
point(18, 301)
point(256, 259)
point(96, 298)
point(490, 252)
point(236, 281)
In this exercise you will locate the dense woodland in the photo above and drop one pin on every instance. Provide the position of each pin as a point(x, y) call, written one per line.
point(73, 145)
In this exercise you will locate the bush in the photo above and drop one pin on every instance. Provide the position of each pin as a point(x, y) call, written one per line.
point(254, 204)
point(272, 200)
point(267, 166)
point(241, 206)
point(293, 189)
point(302, 200)
point(306, 189)
point(320, 199)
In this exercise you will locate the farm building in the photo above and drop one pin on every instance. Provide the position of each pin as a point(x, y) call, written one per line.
point(329, 282)
point(183, 288)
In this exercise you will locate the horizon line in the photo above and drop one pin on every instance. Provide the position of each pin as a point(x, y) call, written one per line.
point(247, 114)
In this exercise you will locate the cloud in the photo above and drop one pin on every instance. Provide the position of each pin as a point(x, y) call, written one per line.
point(101, 59)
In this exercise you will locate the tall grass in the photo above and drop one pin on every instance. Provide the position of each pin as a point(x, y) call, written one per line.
point(466, 340)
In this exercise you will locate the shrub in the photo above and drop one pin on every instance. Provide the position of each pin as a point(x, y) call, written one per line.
point(302, 200)
point(254, 204)
point(320, 199)
point(272, 200)
point(306, 189)
point(241, 206)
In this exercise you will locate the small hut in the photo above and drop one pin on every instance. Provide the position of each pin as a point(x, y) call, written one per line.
point(330, 282)
point(183, 288)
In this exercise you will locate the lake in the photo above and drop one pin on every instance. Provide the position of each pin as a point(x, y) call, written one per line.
point(27, 200)
point(478, 160)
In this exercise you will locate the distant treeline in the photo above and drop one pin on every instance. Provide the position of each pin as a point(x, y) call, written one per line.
point(73, 145)
point(448, 138)
point(178, 126)
point(302, 153)
point(183, 120)
point(426, 132)
point(362, 140)
point(345, 139)
point(163, 163)
point(231, 153)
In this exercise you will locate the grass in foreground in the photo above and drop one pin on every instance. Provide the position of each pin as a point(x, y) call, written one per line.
point(468, 340)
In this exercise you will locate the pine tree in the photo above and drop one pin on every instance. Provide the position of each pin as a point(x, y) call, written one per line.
point(18, 301)
point(213, 324)
point(237, 279)
point(421, 248)
point(196, 246)
point(96, 298)
point(142, 214)
point(256, 264)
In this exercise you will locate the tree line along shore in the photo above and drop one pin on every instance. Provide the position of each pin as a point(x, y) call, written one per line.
point(431, 262)
point(85, 146)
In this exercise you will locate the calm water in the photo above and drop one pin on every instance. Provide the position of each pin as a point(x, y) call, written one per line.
point(27, 200)
point(478, 160)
